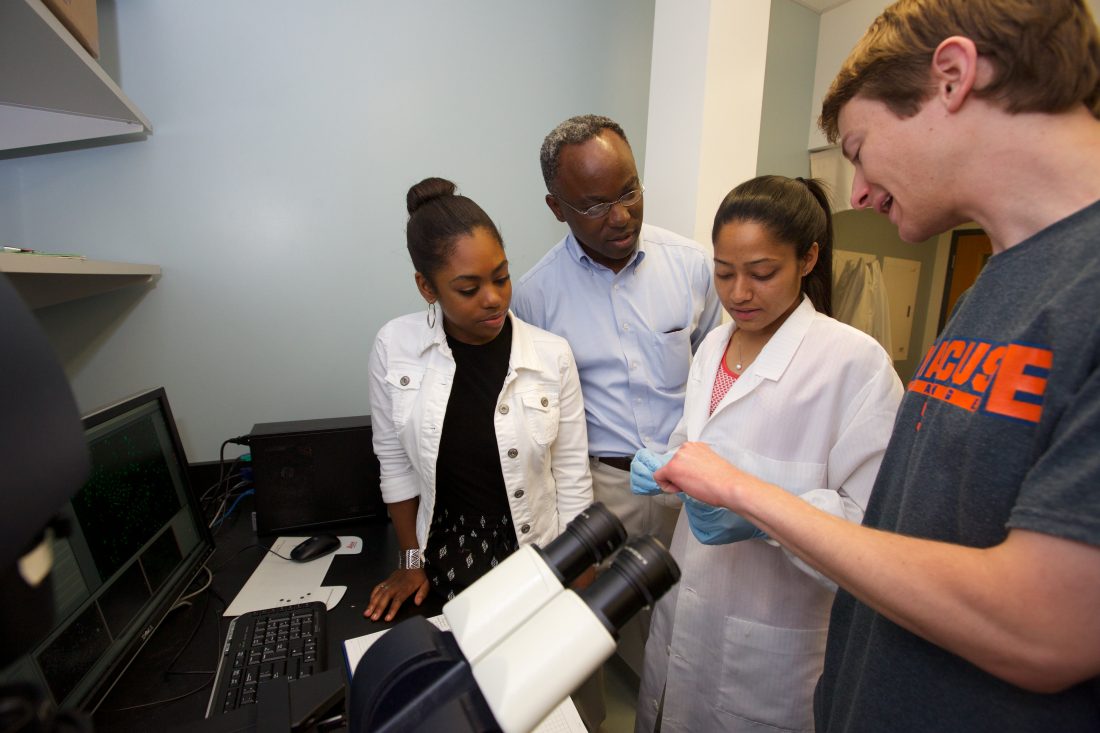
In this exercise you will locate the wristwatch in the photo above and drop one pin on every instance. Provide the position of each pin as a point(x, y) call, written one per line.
point(409, 560)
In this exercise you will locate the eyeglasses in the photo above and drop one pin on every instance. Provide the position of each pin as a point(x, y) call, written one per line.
point(595, 212)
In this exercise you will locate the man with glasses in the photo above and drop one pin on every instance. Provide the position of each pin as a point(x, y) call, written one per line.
point(633, 300)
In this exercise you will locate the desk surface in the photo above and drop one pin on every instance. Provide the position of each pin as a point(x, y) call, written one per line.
point(236, 556)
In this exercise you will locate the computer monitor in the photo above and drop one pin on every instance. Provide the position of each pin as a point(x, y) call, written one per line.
point(137, 540)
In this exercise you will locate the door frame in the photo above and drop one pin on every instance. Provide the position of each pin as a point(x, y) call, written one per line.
point(944, 315)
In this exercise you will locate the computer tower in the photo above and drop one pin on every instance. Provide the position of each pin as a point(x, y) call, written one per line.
point(314, 473)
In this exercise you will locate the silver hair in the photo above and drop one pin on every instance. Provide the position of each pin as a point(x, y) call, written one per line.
point(575, 130)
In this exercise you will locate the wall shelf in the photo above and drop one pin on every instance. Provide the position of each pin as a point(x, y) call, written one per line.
point(44, 280)
point(51, 89)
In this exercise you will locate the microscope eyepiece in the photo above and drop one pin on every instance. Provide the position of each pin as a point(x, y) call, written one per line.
point(640, 574)
point(591, 537)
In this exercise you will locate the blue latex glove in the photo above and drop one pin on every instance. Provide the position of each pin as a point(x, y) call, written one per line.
point(642, 468)
point(713, 525)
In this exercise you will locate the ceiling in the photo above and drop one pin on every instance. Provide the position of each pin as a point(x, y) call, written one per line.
point(820, 6)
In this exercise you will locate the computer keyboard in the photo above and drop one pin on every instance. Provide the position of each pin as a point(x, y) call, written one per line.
point(288, 642)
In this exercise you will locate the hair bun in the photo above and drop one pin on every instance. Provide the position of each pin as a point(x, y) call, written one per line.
point(428, 190)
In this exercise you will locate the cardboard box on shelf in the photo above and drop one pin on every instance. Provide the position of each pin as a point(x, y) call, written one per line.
point(79, 16)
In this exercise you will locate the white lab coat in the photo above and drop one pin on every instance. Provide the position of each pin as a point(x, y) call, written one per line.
point(738, 644)
point(860, 300)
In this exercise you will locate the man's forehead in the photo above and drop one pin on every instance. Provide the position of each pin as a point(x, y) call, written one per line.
point(598, 158)
point(604, 144)
point(852, 118)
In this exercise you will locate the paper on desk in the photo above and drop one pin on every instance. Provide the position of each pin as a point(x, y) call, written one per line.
point(562, 719)
point(278, 582)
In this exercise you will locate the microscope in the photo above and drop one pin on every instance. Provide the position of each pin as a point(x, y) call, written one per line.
point(520, 640)
point(43, 462)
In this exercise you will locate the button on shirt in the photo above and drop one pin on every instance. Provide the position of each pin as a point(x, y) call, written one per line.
point(632, 332)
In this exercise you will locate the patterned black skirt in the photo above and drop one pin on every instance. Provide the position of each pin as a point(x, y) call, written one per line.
point(463, 546)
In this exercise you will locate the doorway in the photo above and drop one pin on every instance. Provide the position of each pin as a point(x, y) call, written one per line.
point(970, 250)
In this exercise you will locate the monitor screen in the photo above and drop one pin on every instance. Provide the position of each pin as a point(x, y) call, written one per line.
point(137, 540)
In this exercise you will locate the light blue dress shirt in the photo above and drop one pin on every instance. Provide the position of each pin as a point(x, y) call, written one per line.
point(632, 333)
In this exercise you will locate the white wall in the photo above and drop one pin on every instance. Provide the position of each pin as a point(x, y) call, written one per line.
point(788, 88)
point(705, 101)
point(840, 30)
point(272, 190)
point(677, 87)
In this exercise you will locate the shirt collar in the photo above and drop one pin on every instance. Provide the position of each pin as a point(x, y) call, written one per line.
point(435, 336)
point(781, 347)
point(573, 247)
point(524, 355)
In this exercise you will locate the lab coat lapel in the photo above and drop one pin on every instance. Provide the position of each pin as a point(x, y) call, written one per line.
point(773, 360)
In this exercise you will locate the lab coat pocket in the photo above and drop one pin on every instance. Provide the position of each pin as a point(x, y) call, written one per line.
point(542, 410)
point(796, 477)
point(769, 674)
point(403, 383)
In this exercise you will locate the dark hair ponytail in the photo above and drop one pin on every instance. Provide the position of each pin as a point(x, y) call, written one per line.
point(796, 211)
point(437, 217)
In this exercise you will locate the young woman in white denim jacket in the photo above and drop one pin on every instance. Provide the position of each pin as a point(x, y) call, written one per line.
point(477, 417)
point(802, 400)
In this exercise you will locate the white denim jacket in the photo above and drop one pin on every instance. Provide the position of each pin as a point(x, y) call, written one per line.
point(540, 424)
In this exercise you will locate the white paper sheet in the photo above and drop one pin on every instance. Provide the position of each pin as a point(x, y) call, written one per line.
point(278, 582)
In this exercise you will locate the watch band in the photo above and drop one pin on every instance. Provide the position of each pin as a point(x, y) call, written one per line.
point(409, 560)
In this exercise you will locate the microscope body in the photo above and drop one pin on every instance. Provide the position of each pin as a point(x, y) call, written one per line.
point(519, 641)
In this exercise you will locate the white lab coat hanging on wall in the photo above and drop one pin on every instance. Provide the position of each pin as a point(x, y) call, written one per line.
point(859, 295)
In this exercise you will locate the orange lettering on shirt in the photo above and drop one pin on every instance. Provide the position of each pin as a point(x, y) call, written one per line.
point(969, 362)
point(937, 370)
point(955, 350)
point(925, 361)
point(1011, 383)
point(990, 364)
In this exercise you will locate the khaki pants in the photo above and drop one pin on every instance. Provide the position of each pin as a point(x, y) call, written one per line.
point(641, 515)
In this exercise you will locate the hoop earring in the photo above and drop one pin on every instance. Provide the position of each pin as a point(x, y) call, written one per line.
point(431, 314)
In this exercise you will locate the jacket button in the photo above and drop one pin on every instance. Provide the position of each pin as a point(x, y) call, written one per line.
point(545, 402)
point(512, 452)
point(503, 409)
point(518, 494)
point(525, 528)
point(404, 381)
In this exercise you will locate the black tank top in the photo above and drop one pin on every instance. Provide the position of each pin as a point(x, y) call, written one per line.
point(468, 473)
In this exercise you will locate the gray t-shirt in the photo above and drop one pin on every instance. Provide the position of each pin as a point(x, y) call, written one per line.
point(999, 428)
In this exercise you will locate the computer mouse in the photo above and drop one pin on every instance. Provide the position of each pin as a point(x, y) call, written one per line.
point(315, 547)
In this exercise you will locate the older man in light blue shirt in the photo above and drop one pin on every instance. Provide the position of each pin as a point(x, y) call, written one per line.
point(634, 301)
point(632, 332)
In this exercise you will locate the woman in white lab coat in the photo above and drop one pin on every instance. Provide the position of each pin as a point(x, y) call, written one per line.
point(801, 400)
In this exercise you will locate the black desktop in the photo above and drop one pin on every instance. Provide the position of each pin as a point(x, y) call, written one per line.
point(315, 473)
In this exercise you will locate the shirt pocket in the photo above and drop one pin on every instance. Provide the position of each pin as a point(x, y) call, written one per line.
point(542, 411)
point(769, 674)
point(671, 358)
point(403, 383)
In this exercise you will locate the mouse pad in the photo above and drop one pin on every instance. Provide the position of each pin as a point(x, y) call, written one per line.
point(277, 582)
